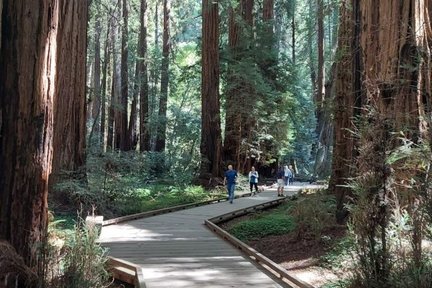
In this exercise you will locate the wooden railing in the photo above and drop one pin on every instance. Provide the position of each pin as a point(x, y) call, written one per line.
point(132, 274)
point(254, 255)
point(126, 272)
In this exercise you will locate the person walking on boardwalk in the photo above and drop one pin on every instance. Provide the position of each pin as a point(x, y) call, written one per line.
point(230, 181)
point(280, 181)
point(291, 179)
point(288, 175)
point(253, 180)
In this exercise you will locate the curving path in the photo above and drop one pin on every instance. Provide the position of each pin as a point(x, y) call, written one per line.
point(176, 250)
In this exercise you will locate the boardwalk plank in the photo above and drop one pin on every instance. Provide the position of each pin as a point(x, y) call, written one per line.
point(176, 250)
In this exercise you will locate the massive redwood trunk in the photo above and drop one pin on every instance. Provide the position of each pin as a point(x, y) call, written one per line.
point(124, 143)
point(344, 103)
point(70, 107)
point(389, 57)
point(32, 70)
point(96, 107)
point(27, 90)
point(166, 47)
point(395, 45)
point(211, 139)
point(104, 90)
point(143, 81)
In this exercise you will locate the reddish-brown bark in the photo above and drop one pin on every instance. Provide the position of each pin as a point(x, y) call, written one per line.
point(211, 139)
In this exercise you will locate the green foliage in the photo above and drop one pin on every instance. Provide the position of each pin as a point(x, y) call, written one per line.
point(313, 213)
point(263, 224)
point(163, 196)
point(72, 257)
point(391, 212)
point(84, 261)
point(340, 255)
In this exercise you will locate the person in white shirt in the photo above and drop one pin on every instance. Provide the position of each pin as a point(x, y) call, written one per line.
point(253, 180)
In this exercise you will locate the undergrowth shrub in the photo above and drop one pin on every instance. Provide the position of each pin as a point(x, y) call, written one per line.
point(390, 211)
point(313, 213)
point(74, 259)
point(125, 183)
point(262, 225)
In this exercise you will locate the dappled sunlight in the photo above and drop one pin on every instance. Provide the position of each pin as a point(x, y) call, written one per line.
point(177, 250)
point(230, 271)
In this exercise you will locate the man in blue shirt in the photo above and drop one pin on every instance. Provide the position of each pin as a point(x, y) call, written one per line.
point(230, 181)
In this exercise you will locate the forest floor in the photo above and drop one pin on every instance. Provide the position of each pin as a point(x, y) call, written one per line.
point(302, 257)
point(316, 261)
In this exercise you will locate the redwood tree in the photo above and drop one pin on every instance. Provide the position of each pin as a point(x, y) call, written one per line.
point(124, 143)
point(70, 104)
point(32, 63)
point(239, 93)
point(388, 58)
point(143, 80)
point(344, 103)
point(166, 47)
point(211, 139)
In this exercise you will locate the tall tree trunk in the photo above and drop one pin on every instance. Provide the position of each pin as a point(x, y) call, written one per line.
point(27, 90)
point(124, 139)
point(32, 63)
point(154, 90)
point(97, 76)
point(319, 92)
point(116, 105)
point(211, 138)
point(310, 41)
point(239, 91)
point(166, 46)
point(1, 11)
point(105, 73)
point(143, 81)
point(393, 71)
point(323, 120)
point(132, 129)
point(70, 105)
point(344, 103)
point(293, 39)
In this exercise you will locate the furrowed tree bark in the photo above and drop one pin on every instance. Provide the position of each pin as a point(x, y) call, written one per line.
point(211, 138)
point(27, 91)
point(70, 107)
point(143, 81)
point(166, 47)
point(95, 113)
point(133, 119)
point(322, 99)
point(105, 73)
point(124, 144)
point(395, 57)
point(344, 103)
point(117, 83)
point(32, 67)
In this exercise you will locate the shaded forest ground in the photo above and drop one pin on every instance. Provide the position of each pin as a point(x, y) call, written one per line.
point(300, 236)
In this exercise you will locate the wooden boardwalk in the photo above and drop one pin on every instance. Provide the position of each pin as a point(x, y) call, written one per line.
point(176, 250)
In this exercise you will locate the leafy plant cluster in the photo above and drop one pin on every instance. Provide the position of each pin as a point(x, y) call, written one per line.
point(312, 214)
point(307, 216)
point(262, 225)
point(73, 258)
point(390, 220)
point(126, 183)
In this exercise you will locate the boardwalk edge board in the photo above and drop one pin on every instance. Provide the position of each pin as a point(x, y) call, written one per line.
point(158, 212)
point(254, 255)
point(132, 274)
point(126, 272)
point(165, 210)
